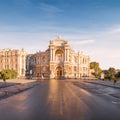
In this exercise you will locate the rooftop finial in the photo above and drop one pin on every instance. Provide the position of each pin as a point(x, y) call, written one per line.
point(59, 37)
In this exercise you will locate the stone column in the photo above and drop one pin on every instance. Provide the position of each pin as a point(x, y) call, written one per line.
point(50, 54)
point(53, 55)
point(67, 55)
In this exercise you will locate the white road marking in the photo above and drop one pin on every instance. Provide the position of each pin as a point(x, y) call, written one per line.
point(114, 102)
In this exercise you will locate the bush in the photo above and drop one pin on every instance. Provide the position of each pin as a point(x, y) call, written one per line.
point(8, 74)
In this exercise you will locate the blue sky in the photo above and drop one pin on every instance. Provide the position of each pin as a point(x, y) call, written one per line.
point(92, 26)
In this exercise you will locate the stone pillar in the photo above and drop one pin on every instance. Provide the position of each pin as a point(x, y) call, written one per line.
point(68, 55)
point(50, 54)
point(65, 54)
point(53, 55)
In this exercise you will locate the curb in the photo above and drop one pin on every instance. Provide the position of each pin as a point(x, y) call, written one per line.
point(103, 84)
point(9, 85)
point(5, 93)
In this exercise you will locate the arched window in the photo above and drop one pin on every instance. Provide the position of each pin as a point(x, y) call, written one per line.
point(59, 56)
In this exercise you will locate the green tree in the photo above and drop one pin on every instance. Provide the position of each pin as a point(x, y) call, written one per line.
point(110, 73)
point(117, 75)
point(97, 69)
point(106, 73)
point(8, 74)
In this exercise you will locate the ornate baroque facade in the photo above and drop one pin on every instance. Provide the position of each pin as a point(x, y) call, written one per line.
point(13, 59)
point(58, 61)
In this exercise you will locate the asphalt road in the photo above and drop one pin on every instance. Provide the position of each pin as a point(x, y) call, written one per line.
point(63, 100)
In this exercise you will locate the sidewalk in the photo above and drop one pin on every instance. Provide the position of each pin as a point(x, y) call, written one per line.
point(12, 87)
point(105, 83)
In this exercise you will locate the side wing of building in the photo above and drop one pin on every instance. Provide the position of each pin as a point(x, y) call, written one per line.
point(13, 59)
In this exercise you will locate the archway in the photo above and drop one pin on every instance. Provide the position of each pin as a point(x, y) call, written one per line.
point(59, 72)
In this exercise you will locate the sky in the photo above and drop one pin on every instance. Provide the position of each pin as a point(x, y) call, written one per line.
point(91, 26)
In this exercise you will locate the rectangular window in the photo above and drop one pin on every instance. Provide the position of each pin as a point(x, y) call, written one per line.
point(75, 68)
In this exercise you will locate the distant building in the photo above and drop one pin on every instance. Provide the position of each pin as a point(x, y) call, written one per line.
point(58, 61)
point(13, 59)
point(117, 70)
point(102, 76)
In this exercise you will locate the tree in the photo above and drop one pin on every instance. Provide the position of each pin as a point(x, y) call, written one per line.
point(97, 69)
point(106, 73)
point(117, 75)
point(110, 73)
point(8, 74)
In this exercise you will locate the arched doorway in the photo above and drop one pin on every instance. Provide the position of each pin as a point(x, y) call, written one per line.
point(59, 72)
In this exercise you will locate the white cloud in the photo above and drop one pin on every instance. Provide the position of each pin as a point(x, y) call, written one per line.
point(101, 46)
point(104, 48)
point(49, 8)
point(106, 57)
point(83, 42)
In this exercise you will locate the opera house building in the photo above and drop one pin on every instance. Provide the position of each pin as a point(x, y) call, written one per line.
point(59, 61)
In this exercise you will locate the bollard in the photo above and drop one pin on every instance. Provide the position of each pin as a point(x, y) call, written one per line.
point(6, 92)
point(19, 89)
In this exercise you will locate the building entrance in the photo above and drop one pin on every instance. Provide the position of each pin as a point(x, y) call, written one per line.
point(59, 72)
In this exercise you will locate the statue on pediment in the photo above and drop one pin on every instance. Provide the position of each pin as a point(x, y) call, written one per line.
point(59, 37)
